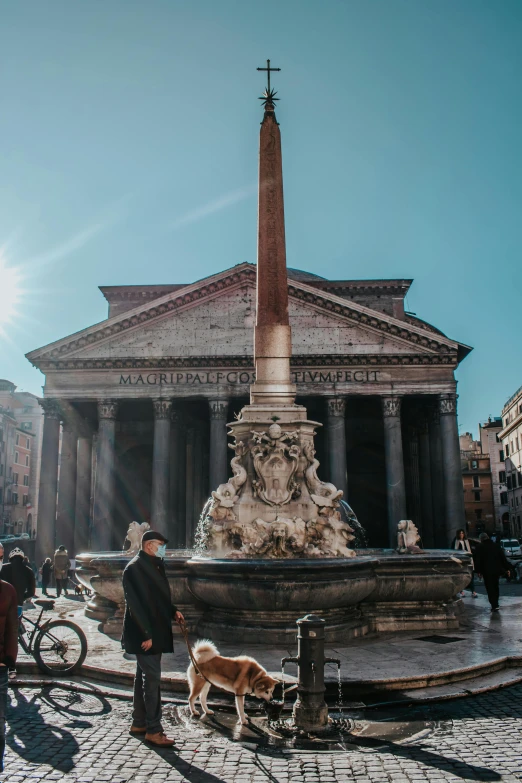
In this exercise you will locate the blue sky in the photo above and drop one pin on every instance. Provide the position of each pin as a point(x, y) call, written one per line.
point(129, 155)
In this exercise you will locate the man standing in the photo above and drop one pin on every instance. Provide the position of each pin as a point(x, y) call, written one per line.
point(491, 563)
point(20, 575)
point(47, 569)
point(62, 565)
point(147, 633)
point(8, 649)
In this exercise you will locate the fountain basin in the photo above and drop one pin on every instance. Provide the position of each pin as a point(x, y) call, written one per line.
point(253, 600)
point(258, 601)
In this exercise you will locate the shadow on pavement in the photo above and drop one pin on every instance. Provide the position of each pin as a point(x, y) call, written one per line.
point(187, 770)
point(31, 736)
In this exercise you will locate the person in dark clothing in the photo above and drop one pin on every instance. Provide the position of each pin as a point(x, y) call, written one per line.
point(20, 575)
point(8, 650)
point(491, 562)
point(147, 633)
point(47, 570)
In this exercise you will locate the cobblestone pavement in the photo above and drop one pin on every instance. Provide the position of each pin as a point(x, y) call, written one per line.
point(59, 735)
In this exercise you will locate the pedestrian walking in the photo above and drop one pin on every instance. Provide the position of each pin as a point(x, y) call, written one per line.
point(8, 648)
point(19, 575)
point(62, 565)
point(147, 633)
point(47, 570)
point(461, 543)
point(491, 562)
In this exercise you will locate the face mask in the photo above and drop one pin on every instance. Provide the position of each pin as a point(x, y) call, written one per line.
point(161, 551)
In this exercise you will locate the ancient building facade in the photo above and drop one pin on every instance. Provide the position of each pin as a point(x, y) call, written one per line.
point(144, 398)
point(511, 437)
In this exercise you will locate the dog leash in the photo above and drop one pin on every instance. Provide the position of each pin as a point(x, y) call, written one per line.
point(183, 628)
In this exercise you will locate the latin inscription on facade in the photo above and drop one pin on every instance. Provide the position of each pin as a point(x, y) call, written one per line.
point(244, 377)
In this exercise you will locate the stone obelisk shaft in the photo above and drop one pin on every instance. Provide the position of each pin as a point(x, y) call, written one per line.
point(272, 336)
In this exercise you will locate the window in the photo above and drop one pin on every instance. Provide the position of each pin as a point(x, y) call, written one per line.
point(478, 513)
point(476, 496)
point(17, 457)
point(508, 482)
point(516, 442)
point(26, 480)
point(502, 476)
point(25, 500)
point(15, 479)
point(474, 464)
point(501, 455)
point(27, 460)
point(27, 425)
point(18, 440)
point(507, 449)
point(15, 498)
point(503, 498)
point(1, 469)
point(476, 481)
point(520, 479)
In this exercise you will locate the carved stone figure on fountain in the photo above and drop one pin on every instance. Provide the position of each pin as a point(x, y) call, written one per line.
point(408, 538)
point(134, 535)
point(276, 458)
point(322, 493)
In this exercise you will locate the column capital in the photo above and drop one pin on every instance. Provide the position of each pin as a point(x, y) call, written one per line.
point(107, 409)
point(51, 408)
point(177, 417)
point(391, 406)
point(336, 406)
point(218, 409)
point(162, 408)
point(447, 405)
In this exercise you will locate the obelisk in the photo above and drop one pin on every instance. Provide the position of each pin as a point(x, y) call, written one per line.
point(272, 335)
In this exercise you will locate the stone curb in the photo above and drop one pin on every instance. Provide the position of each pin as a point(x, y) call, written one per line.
point(481, 678)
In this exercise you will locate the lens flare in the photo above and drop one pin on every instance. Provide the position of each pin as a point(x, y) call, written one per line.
point(11, 292)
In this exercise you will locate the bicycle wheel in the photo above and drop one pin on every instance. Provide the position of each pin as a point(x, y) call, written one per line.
point(60, 647)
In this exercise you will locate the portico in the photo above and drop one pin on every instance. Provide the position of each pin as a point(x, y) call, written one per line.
point(144, 399)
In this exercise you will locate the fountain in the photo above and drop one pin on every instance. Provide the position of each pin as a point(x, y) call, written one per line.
point(275, 541)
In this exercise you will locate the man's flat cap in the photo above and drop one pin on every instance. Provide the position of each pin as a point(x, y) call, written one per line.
point(153, 535)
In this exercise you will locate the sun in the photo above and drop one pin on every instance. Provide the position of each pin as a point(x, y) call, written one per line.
point(10, 291)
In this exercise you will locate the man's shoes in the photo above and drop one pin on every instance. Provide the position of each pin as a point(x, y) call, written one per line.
point(495, 608)
point(137, 729)
point(159, 739)
point(474, 595)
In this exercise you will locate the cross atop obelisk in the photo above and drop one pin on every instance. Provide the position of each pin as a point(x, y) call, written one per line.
point(272, 336)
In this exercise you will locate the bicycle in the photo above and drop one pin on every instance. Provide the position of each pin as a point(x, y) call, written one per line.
point(58, 646)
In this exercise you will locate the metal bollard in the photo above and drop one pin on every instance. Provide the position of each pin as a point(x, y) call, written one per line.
point(310, 709)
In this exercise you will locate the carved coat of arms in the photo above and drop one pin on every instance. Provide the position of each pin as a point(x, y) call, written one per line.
point(275, 454)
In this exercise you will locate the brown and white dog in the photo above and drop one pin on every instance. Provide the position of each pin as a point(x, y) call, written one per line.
point(240, 676)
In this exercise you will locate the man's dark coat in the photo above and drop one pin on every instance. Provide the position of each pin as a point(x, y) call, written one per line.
point(148, 606)
point(18, 574)
point(491, 560)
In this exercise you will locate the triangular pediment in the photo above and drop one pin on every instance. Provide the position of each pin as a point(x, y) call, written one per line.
point(215, 317)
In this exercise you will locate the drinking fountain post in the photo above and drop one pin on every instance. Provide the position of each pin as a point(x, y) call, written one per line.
point(310, 709)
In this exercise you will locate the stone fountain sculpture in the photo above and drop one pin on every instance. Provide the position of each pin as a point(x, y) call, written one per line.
point(135, 533)
point(275, 505)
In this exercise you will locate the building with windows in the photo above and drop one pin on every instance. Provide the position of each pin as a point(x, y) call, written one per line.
point(491, 444)
point(511, 437)
point(21, 429)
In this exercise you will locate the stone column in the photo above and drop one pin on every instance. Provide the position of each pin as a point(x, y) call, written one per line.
point(189, 482)
point(160, 466)
point(83, 491)
point(426, 497)
point(437, 478)
point(453, 489)
point(337, 443)
point(45, 541)
point(218, 473)
point(103, 521)
point(176, 526)
point(395, 483)
point(66, 511)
